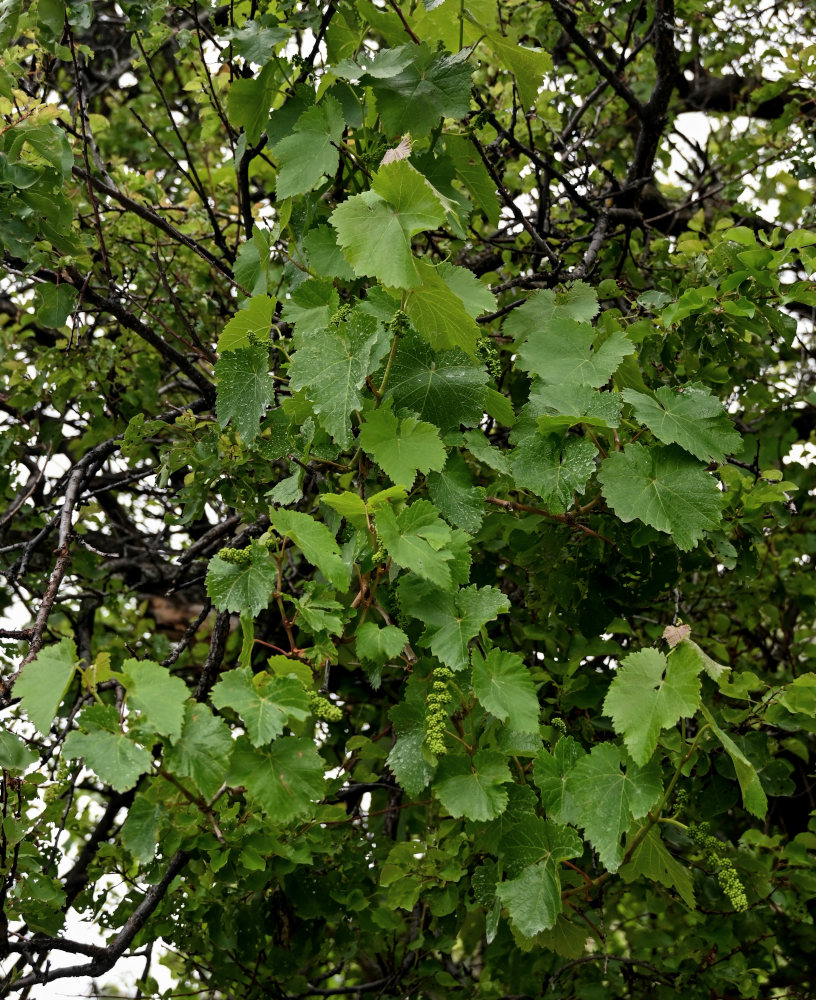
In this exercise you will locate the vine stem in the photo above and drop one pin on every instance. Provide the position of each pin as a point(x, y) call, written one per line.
point(379, 392)
point(652, 817)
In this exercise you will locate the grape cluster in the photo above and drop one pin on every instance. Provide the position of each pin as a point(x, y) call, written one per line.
point(341, 315)
point(714, 855)
point(323, 709)
point(488, 354)
point(436, 710)
point(399, 324)
point(236, 557)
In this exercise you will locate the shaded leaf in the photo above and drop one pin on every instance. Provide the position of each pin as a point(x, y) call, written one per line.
point(662, 487)
point(446, 388)
point(332, 367)
point(245, 389)
point(203, 750)
point(283, 778)
point(473, 788)
point(608, 799)
point(309, 151)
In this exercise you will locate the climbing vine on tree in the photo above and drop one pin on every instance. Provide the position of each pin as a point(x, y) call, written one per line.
point(406, 418)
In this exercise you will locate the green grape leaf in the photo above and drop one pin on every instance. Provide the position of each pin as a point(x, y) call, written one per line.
point(55, 303)
point(157, 695)
point(531, 852)
point(9, 16)
point(407, 759)
point(662, 487)
point(453, 492)
point(566, 938)
point(690, 417)
point(43, 682)
point(690, 654)
point(375, 228)
point(245, 389)
point(254, 42)
point(578, 303)
point(608, 799)
point(318, 613)
point(415, 540)
point(325, 255)
point(551, 772)
point(310, 308)
point(284, 778)
point(451, 620)
point(347, 505)
point(528, 66)
point(470, 170)
point(504, 687)
point(561, 352)
point(332, 367)
point(412, 95)
point(560, 407)
point(243, 588)
point(553, 467)
point(264, 702)
point(203, 750)
point(379, 644)
point(316, 542)
point(438, 314)
point(446, 388)
point(652, 860)
point(473, 788)
point(483, 451)
point(14, 754)
point(108, 752)
point(401, 447)
point(253, 321)
point(651, 692)
point(476, 296)
point(753, 795)
point(249, 101)
point(140, 831)
point(309, 151)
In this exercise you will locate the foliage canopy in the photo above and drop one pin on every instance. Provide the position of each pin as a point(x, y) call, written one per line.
point(404, 418)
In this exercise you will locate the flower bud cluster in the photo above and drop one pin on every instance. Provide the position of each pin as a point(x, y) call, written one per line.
point(714, 855)
point(341, 315)
point(237, 557)
point(436, 710)
point(399, 324)
point(488, 354)
point(323, 709)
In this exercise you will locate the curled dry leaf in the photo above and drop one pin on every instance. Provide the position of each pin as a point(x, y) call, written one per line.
point(674, 634)
point(400, 152)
